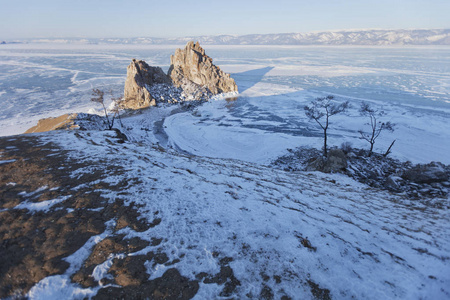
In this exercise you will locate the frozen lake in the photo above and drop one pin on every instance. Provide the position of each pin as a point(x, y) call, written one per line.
point(411, 84)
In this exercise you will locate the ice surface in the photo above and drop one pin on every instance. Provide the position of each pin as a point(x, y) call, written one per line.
point(260, 126)
point(40, 80)
point(411, 84)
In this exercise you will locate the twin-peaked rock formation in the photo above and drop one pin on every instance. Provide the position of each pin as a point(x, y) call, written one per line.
point(191, 70)
point(139, 77)
point(193, 64)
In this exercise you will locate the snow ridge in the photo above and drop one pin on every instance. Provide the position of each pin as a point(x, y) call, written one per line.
point(370, 37)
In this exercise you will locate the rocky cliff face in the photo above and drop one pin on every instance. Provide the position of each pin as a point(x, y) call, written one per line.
point(192, 76)
point(139, 76)
point(191, 64)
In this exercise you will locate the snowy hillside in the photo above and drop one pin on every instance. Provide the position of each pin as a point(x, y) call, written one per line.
point(372, 37)
point(229, 228)
point(300, 235)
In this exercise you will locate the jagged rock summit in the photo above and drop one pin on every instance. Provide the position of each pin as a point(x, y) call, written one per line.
point(191, 76)
point(139, 77)
point(192, 64)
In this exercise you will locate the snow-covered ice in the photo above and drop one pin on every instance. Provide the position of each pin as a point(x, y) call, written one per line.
point(259, 127)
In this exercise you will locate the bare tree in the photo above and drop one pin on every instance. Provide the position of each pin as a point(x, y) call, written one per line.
point(389, 149)
point(118, 102)
point(320, 110)
point(99, 97)
point(376, 127)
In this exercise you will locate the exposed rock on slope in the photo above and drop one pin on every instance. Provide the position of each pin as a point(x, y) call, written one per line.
point(335, 162)
point(139, 76)
point(428, 183)
point(193, 65)
point(429, 173)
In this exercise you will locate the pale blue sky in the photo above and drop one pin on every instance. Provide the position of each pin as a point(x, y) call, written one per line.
point(176, 18)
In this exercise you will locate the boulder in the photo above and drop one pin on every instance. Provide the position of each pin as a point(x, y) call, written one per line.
point(393, 183)
point(140, 76)
point(191, 64)
point(335, 162)
point(428, 173)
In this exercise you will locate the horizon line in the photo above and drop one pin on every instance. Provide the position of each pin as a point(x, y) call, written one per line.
point(233, 35)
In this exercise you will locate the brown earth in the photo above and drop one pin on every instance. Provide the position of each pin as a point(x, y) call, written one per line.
point(33, 244)
point(62, 122)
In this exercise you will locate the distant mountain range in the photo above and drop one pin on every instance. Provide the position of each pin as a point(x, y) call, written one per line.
point(373, 37)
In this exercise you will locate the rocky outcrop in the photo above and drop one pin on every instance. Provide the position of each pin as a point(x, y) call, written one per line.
point(191, 76)
point(336, 161)
point(428, 173)
point(192, 65)
point(139, 77)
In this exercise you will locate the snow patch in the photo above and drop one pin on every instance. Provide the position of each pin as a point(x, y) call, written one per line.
point(60, 286)
point(7, 161)
point(101, 270)
point(41, 206)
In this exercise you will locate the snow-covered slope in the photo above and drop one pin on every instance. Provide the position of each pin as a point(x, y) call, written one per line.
point(347, 37)
point(301, 235)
